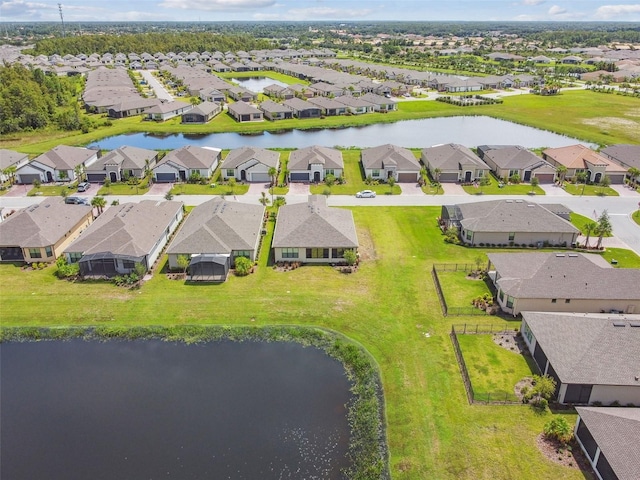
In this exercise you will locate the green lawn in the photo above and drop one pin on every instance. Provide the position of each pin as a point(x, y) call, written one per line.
point(354, 176)
point(458, 290)
point(492, 369)
point(591, 190)
point(636, 216)
point(494, 189)
point(123, 188)
point(53, 190)
point(387, 306)
point(208, 189)
point(625, 258)
point(263, 73)
point(579, 221)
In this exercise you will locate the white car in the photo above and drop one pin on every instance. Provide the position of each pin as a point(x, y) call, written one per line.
point(366, 194)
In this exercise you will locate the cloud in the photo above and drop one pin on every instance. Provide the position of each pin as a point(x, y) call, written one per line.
point(532, 2)
point(20, 8)
point(326, 12)
point(217, 4)
point(267, 16)
point(556, 10)
point(609, 11)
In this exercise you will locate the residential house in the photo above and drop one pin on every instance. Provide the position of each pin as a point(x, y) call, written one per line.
point(571, 60)
point(202, 113)
point(243, 112)
point(329, 106)
point(454, 163)
point(185, 163)
point(313, 164)
point(210, 94)
point(123, 236)
point(386, 161)
point(609, 438)
point(58, 164)
point(302, 108)
point(312, 232)
point(41, 232)
point(380, 103)
point(214, 234)
point(122, 163)
point(563, 282)
point(131, 106)
point(627, 156)
point(508, 222)
point(250, 164)
point(275, 111)
point(578, 158)
point(241, 94)
point(459, 85)
point(592, 357)
point(355, 105)
point(10, 162)
point(167, 110)
point(507, 161)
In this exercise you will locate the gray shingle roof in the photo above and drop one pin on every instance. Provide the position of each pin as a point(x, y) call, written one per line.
point(130, 229)
point(512, 216)
point(127, 157)
point(564, 275)
point(243, 108)
point(389, 155)
point(43, 224)
point(515, 157)
point(238, 156)
point(302, 159)
point(273, 107)
point(205, 108)
point(9, 157)
point(625, 154)
point(168, 107)
point(314, 225)
point(616, 430)
point(219, 226)
point(451, 156)
point(191, 156)
point(64, 157)
point(589, 348)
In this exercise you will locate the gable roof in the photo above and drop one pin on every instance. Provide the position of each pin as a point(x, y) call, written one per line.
point(594, 349)
point(298, 104)
point(514, 157)
point(616, 430)
point(564, 275)
point(512, 216)
point(389, 155)
point(452, 156)
point(303, 158)
point(204, 108)
point(10, 157)
point(243, 108)
point(624, 154)
point(219, 226)
point(168, 107)
point(43, 224)
point(314, 225)
point(192, 157)
point(64, 157)
point(126, 157)
point(273, 107)
point(129, 229)
point(577, 156)
point(238, 156)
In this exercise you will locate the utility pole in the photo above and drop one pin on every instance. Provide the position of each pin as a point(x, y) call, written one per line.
point(64, 32)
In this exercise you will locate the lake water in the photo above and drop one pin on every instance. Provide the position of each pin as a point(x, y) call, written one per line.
point(466, 130)
point(257, 84)
point(150, 409)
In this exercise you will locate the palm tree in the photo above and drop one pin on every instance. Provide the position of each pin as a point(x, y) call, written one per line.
point(10, 172)
point(562, 173)
point(587, 229)
point(436, 174)
point(604, 227)
point(273, 172)
point(99, 203)
point(78, 171)
point(264, 200)
point(634, 174)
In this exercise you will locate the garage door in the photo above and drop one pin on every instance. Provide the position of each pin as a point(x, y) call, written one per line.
point(28, 177)
point(260, 177)
point(96, 177)
point(545, 177)
point(407, 177)
point(617, 179)
point(449, 177)
point(165, 177)
point(299, 177)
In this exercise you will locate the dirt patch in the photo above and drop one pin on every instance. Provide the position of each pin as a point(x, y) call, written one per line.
point(366, 249)
point(606, 123)
point(526, 382)
point(510, 341)
point(571, 456)
point(475, 276)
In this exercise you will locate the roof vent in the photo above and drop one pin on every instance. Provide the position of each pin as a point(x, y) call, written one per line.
point(634, 324)
point(509, 201)
point(619, 324)
point(559, 255)
point(573, 255)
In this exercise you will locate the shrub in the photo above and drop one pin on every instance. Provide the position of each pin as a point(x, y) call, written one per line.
point(559, 429)
point(243, 266)
point(66, 270)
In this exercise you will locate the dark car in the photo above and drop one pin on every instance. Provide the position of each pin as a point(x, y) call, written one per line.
point(76, 201)
point(83, 186)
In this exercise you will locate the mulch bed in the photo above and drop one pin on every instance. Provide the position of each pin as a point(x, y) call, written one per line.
point(510, 341)
point(571, 458)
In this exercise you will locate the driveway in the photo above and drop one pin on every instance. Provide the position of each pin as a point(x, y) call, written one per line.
point(258, 188)
point(18, 191)
point(299, 189)
point(159, 189)
point(411, 189)
point(158, 88)
point(554, 190)
point(453, 189)
point(625, 191)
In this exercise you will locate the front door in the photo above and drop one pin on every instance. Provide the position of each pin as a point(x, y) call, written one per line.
point(467, 176)
point(527, 176)
point(113, 176)
point(597, 178)
point(243, 175)
point(316, 176)
point(49, 177)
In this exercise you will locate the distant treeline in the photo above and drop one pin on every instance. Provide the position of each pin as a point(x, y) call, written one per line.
point(149, 42)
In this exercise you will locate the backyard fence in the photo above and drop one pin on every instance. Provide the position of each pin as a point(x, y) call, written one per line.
point(472, 329)
point(489, 398)
point(456, 267)
point(436, 282)
point(447, 310)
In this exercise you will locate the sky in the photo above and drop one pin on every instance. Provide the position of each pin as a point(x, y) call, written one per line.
point(306, 10)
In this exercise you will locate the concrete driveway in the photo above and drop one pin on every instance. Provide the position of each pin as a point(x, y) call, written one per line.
point(411, 189)
point(299, 189)
point(554, 190)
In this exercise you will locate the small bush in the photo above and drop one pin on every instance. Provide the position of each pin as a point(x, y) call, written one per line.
point(243, 266)
point(559, 429)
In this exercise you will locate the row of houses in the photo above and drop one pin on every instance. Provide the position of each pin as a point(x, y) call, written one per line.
point(214, 234)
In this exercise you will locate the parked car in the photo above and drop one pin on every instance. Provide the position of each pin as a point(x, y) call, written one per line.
point(76, 201)
point(83, 186)
point(366, 194)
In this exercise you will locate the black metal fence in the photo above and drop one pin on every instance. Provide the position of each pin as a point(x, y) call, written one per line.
point(436, 282)
point(456, 267)
point(489, 398)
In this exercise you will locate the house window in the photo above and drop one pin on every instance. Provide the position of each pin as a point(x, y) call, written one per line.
point(567, 300)
point(513, 172)
point(501, 296)
point(289, 253)
point(329, 172)
point(337, 253)
point(35, 253)
point(469, 235)
point(526, 331)
point(230, 172)
point(128, 264)
point(512, 236)
point(317, 253)
point(241, 253)
point(257, 116)
point(74, 257)
point(554, 300)
point(510, 300)
point(48, 251)
point(375, 173)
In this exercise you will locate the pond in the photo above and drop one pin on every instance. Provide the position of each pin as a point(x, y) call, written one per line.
point(151, 409)
point(466, 130)
point(257, 84)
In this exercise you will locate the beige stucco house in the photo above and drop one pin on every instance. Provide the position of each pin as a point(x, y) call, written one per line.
point(578, 158)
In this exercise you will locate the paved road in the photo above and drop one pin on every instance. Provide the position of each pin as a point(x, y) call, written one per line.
point(158, 88)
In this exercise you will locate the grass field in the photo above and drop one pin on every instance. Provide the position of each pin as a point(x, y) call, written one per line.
point(460, 291)
point(636, 216)
point(123, 188)
point(579, 221)
point(624, 258)
point(494, 188)
point(387, 306)
point(590, 190)
point(492, 369)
